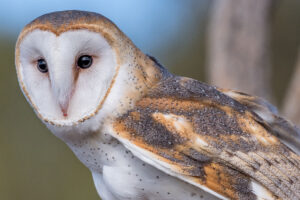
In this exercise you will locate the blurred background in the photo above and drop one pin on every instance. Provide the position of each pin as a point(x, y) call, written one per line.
point(202, 39)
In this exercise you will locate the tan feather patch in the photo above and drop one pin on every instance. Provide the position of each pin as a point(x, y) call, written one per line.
point(210, 140)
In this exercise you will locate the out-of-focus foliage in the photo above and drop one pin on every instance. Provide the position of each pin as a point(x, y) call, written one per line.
point(285, 43)
point(36, 165)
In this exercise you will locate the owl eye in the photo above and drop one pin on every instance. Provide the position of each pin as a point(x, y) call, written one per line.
point(84, 61)
point(42, 65)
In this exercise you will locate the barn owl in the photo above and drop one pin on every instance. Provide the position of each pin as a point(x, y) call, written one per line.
point(144, 133)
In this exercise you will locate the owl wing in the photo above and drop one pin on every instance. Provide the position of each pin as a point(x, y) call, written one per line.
point(202, 136)
point(288, 133)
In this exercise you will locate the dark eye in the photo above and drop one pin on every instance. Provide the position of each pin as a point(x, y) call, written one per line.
point(42, 66)
point(84, 61)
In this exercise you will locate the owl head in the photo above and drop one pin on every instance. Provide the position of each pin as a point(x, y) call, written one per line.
point(73, 65)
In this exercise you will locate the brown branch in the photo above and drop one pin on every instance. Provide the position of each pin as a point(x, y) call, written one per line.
point(238, 56)
point(291, 107)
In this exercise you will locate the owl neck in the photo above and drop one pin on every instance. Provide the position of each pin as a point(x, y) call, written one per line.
point(148, 73)
point(133, 82)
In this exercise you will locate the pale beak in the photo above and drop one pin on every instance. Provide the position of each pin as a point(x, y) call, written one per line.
point(64, 108)
point(62, 86)
point(62, 81)
point(64, 98)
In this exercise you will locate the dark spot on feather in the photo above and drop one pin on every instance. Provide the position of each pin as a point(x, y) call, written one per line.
point(163, 70)
point(241, 184)
point(171, 157)
point(230, 154)
point(257, 164)
point(242, 93)
point(200, 157)
point(268, 162)
point(197, 166)
point(190, 164)
point(152, 132)
point(278, 181)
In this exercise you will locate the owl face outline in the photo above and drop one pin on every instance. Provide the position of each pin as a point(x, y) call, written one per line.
point(61, 92)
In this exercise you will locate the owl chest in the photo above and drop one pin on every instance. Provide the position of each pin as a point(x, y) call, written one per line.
point(118, 174)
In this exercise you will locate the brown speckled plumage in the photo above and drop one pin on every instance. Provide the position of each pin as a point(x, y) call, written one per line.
point(238, 148)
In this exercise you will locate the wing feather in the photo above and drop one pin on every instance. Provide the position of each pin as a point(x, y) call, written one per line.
point(282, 128)
point(200, 135)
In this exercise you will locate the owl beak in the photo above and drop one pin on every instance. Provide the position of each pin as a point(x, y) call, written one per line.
point(63, 100)
point(62, 87)
point(64, 108)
